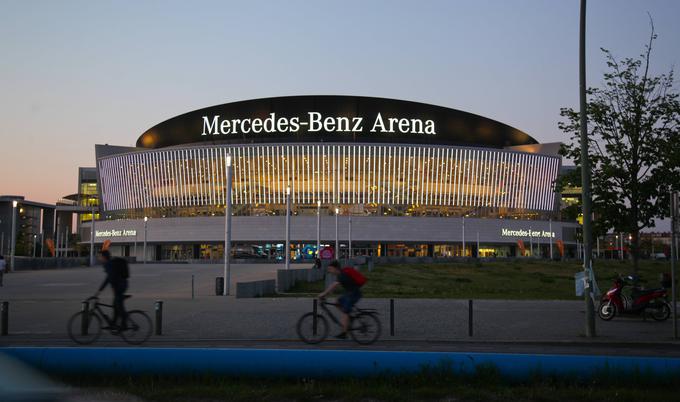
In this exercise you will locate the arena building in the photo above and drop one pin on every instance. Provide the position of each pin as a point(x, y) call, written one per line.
point(413, 179)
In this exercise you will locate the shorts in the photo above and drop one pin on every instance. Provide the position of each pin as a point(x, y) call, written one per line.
point(348, 300)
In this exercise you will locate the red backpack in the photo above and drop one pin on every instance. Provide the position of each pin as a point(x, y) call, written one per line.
point(356, 276)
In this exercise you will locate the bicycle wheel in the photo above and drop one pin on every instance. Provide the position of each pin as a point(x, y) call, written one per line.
point(84, 333)
point(138, 328)
point(365, 328)
point(305, 328)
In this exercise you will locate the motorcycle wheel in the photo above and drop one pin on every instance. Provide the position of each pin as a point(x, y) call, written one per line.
point(661, 311)
point(606, 311)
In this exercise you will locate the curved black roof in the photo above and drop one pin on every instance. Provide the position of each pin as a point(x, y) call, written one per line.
point(364, 119)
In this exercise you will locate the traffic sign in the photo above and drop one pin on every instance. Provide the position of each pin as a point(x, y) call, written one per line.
point(326, 253)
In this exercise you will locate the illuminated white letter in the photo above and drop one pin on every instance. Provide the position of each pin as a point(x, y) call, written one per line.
point(212, 129)
point(378, 123)
point(269, 125)
point(314, 121)
point(429, 127)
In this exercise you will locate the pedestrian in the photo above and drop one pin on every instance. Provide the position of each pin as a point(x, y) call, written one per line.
point(3, 264)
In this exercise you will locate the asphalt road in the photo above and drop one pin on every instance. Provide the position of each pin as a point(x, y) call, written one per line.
point(42, 301)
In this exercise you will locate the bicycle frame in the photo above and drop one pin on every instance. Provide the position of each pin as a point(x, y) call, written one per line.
point(355, 311)
point(96, 309)
point(329, 313)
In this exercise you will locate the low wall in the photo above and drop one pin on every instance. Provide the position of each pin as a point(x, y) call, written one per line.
point(287, 278)
point(255, 288)
point(29, 263)
point(317, 363)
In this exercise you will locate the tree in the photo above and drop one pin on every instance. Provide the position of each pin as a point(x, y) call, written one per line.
point(634, 145)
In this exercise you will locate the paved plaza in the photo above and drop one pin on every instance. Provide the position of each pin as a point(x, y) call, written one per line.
point(42, 301)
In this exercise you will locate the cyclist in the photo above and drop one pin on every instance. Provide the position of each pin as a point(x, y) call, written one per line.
point(119, 283)
point(350, 297)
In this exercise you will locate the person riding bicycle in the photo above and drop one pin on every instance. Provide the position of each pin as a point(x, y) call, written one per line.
point(117, 278)
point(349, 298)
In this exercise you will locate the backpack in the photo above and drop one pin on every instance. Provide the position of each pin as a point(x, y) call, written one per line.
point(120, 266)
point(357, 277)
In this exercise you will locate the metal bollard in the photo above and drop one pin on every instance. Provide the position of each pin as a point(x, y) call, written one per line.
point(192, 287)
point(85, 320)
point(314, 306)
point(159, 317)
point(391, 317)
point(470, 317)
point(5, 319)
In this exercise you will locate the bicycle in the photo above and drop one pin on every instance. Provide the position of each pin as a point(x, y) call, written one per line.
point(364, 325)
point(85, 329)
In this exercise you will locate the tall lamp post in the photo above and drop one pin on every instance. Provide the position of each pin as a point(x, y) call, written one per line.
point(227, 230)
point(585, 180)
point(464, 253)
point(287, 250)
point(92, 234)
point(35, 238)
point(551, 238)
point(146, 220)
point(337, 239)
point(13, 240)
point(349, 239)
point(674, 255)
point(318, 228)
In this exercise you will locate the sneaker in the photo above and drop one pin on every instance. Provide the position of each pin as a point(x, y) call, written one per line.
point(341, 335)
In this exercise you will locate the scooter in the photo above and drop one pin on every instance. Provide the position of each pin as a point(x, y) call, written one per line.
point(640, 301)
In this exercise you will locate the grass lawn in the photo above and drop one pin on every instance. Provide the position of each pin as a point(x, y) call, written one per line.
point(427, 386)
point(518, 279)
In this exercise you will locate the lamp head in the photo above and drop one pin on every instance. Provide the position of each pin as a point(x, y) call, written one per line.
point(146, 218)
point(228, 160)
point(15, 203)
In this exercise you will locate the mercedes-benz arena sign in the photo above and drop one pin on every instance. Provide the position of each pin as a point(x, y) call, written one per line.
point(334, 149)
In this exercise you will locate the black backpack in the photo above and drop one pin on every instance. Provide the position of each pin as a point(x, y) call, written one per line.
point(120, 267)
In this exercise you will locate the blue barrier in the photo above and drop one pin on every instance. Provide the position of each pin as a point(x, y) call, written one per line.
point(325, 363)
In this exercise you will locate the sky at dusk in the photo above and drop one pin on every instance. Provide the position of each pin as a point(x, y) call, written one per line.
point(78, 73)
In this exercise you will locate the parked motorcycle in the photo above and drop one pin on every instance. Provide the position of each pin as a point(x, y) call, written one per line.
point(640, 301)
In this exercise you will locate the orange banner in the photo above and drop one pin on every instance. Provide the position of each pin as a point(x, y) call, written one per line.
point(50, 246)
point(522, 250)
point(560, 247)
point(106, 245)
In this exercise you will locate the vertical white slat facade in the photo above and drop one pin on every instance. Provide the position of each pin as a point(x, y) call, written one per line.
point(382, 174)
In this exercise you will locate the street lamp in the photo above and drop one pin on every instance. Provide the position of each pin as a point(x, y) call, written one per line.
point(146, 219)
point(35, 237)
point(287, 250)
point(349, 239)
point(227, 230)
point(318, 228)
point(551, 238)
point(463, 253)
point(337, 241)
point(92, 234)
point(13, 240)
